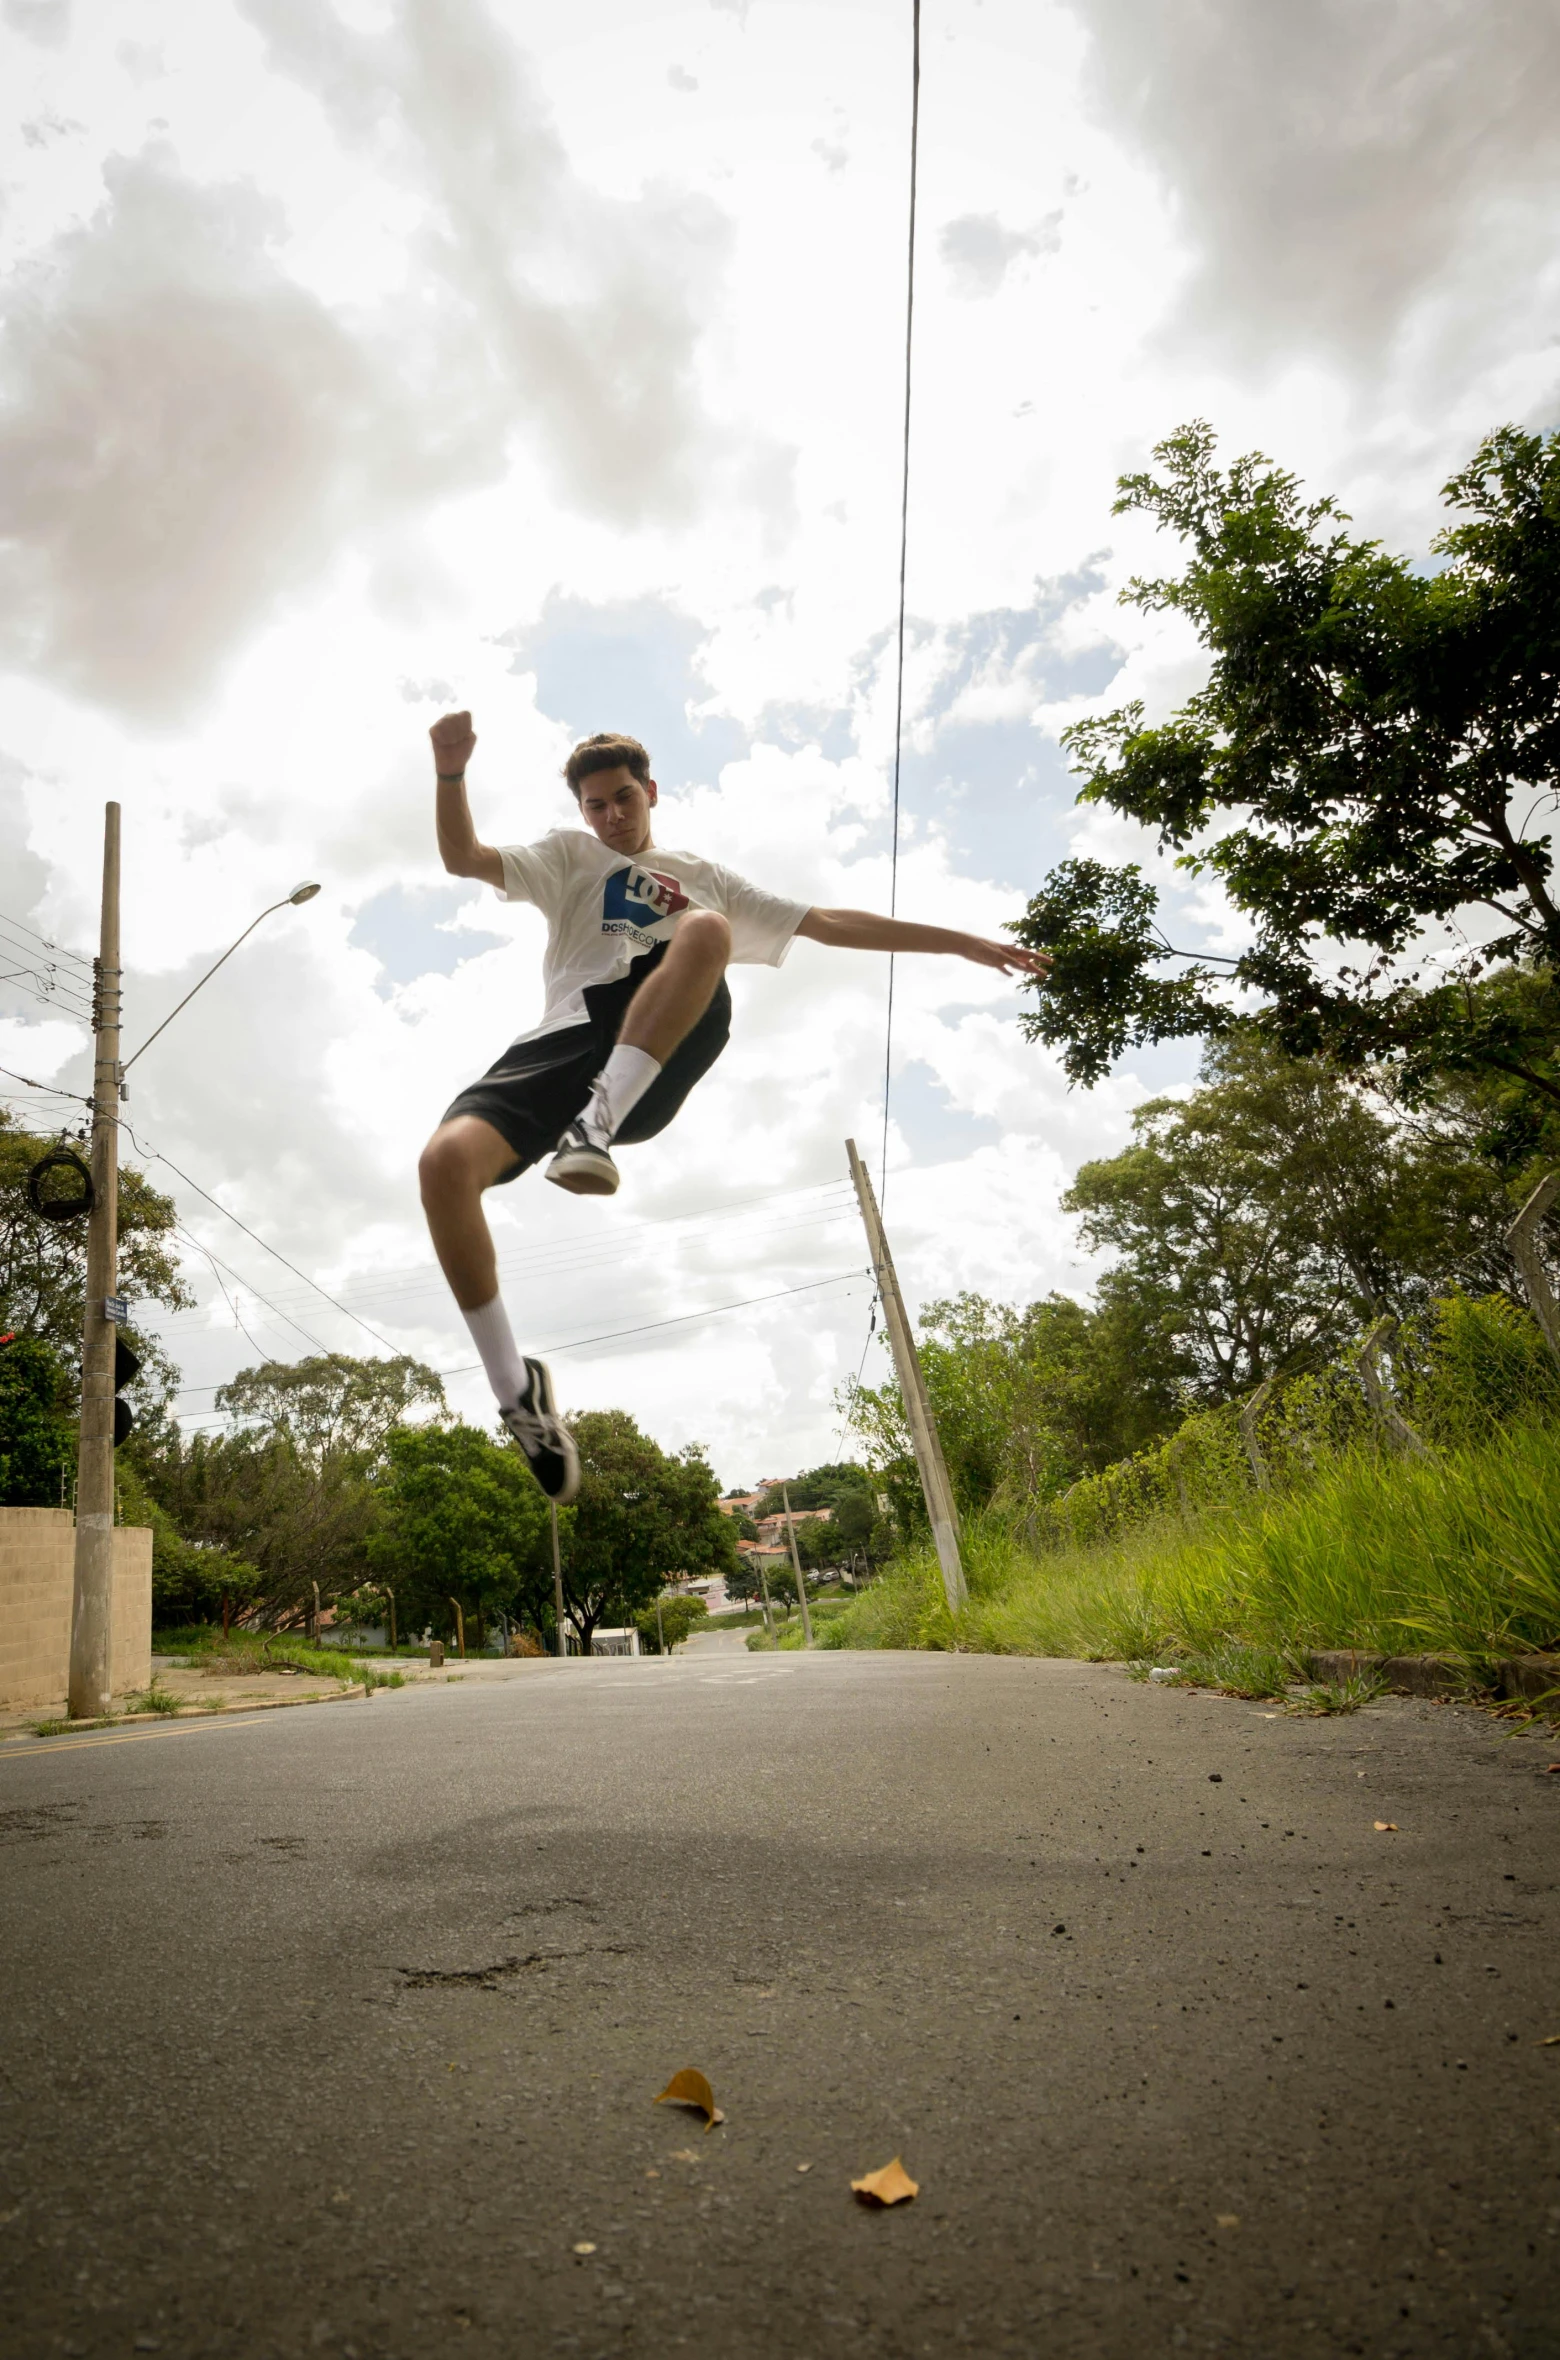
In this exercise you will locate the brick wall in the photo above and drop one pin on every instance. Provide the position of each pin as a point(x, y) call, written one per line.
point(37, 1576)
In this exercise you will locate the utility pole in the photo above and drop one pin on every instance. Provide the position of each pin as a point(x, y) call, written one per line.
point(91, 1626)
point(796, 1563)
point(563, 1644)
point(936, 1490)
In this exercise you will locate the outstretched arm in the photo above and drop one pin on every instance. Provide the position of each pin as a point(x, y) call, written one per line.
point(860, 930)
point(453, 743)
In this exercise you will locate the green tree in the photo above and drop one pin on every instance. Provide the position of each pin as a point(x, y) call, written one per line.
point(459, 1516)
point(37, 1425)
point(43, 1265)
point(332, 1404)
point(1259, 1223)
point(1371, 754)
point(291, 1488)
point(672, 1618)
point(742, 1578)
point(816, 1487)
point(1026, 1399)
point(641, 1514)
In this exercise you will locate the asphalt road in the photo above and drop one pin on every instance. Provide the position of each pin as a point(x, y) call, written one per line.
point(338, 2030)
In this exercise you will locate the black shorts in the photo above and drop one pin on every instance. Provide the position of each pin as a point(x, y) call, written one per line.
point(537, 1087)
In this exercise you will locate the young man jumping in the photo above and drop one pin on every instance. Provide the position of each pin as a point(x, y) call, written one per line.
point(636, 1011)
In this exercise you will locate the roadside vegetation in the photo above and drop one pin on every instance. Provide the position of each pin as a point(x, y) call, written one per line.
point(1311, 1406)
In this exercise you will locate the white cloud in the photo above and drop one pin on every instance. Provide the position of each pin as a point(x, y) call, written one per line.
point(979, 252)
point(1332, 160)
point(187, 432)
point(45, 21)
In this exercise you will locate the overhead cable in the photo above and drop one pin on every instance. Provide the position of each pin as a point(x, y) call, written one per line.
point(904, 552)
point(154, 1155)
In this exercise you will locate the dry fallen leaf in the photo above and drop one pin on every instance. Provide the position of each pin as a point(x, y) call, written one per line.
point(586, 2247)
point(1228, 2220)
point(891, 2185)
point(1387, 1827)
point(686, 2155)
point(1552, 1766)
point(652, 2175)
point(804, 2167)
point(689, 2088)
point(1551, 2040)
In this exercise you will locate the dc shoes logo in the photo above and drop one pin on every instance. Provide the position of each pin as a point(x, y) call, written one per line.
point(638, 898)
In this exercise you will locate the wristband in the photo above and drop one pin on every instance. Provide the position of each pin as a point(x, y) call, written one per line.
point(450, 778)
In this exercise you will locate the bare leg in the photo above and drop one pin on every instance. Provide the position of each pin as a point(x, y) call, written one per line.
point(669, 1003)
point(462, 1159)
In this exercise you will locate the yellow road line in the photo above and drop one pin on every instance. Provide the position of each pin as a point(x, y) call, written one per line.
point(14, 1751)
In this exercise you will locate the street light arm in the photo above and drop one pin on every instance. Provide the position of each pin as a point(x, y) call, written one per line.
point(287, 898)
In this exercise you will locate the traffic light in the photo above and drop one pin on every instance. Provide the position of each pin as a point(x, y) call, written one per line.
point(126, 1363)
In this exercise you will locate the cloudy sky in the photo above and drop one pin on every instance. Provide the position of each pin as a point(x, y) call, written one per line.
point(363, 357)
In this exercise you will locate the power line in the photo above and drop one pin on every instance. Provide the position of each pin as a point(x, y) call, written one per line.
point(644, 1327)
point(20, 926)
point(275, 1309)
point(679, 1319)
point(855, 1383)
point(904, 552)
point(584, 1255)
point(153, 1155)
point(48, 1089)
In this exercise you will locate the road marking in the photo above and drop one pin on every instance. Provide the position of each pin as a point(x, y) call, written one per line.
point(73, 1745)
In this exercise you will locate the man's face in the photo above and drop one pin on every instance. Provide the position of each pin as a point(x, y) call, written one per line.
point(617, 807)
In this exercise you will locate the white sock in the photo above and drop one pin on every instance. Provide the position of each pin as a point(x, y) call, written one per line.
point(492, 1336)
point(619, 1086)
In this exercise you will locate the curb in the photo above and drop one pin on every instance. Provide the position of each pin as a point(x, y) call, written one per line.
point(206, 1712)
point(1534, 1677)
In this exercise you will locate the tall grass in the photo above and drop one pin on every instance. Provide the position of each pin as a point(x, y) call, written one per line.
point(1180, 1556)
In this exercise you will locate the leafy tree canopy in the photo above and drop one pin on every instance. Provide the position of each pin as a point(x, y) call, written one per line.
point(1375, 750)
point(1026, 1399)
point(671, 1620)
point(37, 1425)
point(460, 1517)
point(817, 1487)
point(290, 1490)
point(641, 1515)
point(1261, 1221)
point(43, 1264)
point(332, 1403)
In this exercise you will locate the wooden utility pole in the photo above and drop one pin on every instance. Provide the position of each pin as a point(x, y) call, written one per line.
point(936, 1490)
point(91, 1625)
point(1522, 1238)
point(563, 1644)
point(796, 1563)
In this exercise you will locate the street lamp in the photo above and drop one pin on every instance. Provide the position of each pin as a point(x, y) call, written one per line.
point(294, 900)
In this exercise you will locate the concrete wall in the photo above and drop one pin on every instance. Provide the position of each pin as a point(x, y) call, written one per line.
point(37, 1575)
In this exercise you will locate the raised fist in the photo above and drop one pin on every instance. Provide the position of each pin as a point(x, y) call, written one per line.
point(454, 740)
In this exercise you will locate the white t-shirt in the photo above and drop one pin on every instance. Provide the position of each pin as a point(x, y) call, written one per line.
point(604, 909)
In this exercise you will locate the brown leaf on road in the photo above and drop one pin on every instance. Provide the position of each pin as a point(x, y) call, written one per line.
point(1387, 1827)
point(1551, 2040)
point(689, 2088)
point(891, 2185)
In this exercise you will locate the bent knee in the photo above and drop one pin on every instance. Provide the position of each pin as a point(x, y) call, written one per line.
point(708, 933)
point(445, 1166)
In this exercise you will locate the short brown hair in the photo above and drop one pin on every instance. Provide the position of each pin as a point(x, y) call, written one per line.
point(607, 750)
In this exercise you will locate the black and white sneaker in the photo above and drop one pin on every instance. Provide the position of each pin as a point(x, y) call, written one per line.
point(548, 1445)
point(582, 1167)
